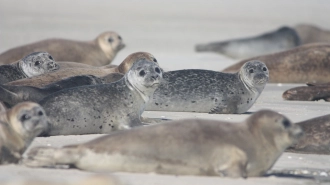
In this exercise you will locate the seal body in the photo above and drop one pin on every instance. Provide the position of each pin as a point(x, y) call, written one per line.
point(31, 65)
point(316, 139)
point(307, 63)
point(18, 127)
point(312, 92)
point(43, 80)
point(280, 40)
point(312, 34)
point(182, 147)
point(210, 91)
point(11, 95)
point(103, 108)
point(98, 52)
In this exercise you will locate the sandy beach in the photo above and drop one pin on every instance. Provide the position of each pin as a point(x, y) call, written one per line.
point(169, 30)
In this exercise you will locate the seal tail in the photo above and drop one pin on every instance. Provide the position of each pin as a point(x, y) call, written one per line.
point(50, 156)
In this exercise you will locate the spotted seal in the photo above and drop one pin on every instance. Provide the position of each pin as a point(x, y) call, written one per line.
point(101, 51)
point(311, 92)
point(182, 147)
point(307, 63)
point(65, 65)
point(106, 107)
point(34, 64)
point(46, 79)
point(280, 40)
point(18, 127)
point(210, 91)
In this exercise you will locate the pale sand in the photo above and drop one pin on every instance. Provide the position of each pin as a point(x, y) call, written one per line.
point(169, 30)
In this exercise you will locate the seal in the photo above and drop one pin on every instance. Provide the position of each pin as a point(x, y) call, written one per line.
point(103, 108)
point(99, 52)
point(18, 127)
point(307, 63)
point(316, 138)
point(65, 65)
point(311, 34)
point(31, 65)
point(11, 95)
point(197, 90)
point(182, 147)
point(280, 40)
point(311, 92)
point(43, 80)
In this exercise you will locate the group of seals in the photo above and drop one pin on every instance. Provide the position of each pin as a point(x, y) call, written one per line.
point(101, 51)
point(113, 106)
point(311, 92)
point(306, 63)
point(211, 91)
point(282, 39)
point(183, 147)
point(18, 127)
point(46, 79)
point(34, 64)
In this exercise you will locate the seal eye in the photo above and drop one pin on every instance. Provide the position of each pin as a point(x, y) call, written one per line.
point(25, 117)
point(119, 37)
point(142, 73)
point(37, 63)
point(155, 60)
point(286, 123)
point(264, 69)
point(110, 40)
point(50, 57)
point(157, 70)
point(40, 113)
point(251, 71)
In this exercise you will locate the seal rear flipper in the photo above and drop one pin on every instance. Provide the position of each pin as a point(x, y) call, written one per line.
point(7, 97)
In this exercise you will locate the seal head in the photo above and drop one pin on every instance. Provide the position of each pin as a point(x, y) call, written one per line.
point(110, 43)
point(38, 63)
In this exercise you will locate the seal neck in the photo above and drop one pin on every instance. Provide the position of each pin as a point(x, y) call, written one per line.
point(19, 66)
point(248, 85)
point(133, 87)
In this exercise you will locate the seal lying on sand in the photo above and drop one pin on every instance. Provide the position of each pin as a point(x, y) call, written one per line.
point(182, 147)
point(316, 139)
point(311, 92)
point(65, 65)
point(307, 63)
point(103, 108)
point(98, 52)
point(210, 91)
point(46, 79)
point(280, 40)
point(34, 64)
point(11, 95)
point(18, 127)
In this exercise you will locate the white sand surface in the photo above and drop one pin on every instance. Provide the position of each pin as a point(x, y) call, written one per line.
point(169, 30)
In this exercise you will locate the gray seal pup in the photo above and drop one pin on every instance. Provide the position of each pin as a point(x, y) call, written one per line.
point(311, 92)
point(311, 34)
point(96, 109)
point(316, 139)
point(210, 91)
point(99, 52)
point(43, 80)
point(182, 147)
point(34, 64)
point(280, 40)
point(307, 63)
point(18, 127)
point(11, 95)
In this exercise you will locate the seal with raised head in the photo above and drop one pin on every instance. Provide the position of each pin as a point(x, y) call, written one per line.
point(49, 78)
point(18, 127)
point(280, 40)
point(311, 34)
point(34, 64)
point(307, 63)
point(99, 52)
point(311, 92)
point(182, 147)
point(11, 95)
point(316, 138)
point(195, 90)
point(103, 108)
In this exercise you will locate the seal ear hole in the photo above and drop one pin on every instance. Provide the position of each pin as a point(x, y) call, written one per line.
point(157, 70)
point(142, 73)
point(155, 60)
point(119, 37)
point(110, 40)
point(25, 117)
point(286, 123)
point(251, 71)
point(264, 69)
point(50, 57)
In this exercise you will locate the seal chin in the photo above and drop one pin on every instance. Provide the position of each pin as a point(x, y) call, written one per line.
point(121, 46)
point(260, 79)
point(296, 133)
